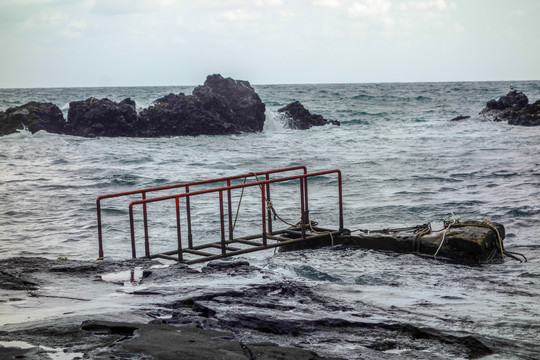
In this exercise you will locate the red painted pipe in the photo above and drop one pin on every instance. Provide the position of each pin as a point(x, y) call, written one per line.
point(303, 178)
point(167, 187)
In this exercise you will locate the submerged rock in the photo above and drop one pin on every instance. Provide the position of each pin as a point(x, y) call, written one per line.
point(513, 107)
point(34, 116)
point(461, 117)
point(298, 117)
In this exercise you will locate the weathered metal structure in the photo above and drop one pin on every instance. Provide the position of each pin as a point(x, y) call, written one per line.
point(462, 241)
point(229, 245)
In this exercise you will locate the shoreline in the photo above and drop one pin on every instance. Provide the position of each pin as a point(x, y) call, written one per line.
point(242, 310)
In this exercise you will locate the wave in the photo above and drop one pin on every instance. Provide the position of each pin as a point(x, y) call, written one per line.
point(274, 122)
point(358, 122)
point(364, 97)
point(524, 211)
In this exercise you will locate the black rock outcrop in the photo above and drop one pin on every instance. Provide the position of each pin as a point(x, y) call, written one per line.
point(461, 117)
point(34, 116)
point(298, 117)
point(93, 117)
point(221, 106)
point(513, 107)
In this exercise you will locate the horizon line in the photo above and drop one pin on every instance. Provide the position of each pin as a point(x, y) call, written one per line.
point(269, 84)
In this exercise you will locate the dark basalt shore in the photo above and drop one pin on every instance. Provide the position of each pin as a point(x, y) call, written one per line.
point(513, 107)
point(298, 117)
point(268, 318)
point(221, 106)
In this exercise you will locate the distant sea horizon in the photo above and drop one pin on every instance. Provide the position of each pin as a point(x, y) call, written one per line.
point(261, 84)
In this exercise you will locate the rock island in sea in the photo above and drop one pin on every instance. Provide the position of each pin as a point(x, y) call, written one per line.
point(221, 106)
point(513, 107)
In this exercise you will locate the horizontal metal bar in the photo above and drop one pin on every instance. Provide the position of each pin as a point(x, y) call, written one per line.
point(228, 248)
point(247, 242)
point(174, 186)
point(258, 248)
point(278, 238)
point(232, 187)
point(163, 256)
point(197, 252)
point(201, 182)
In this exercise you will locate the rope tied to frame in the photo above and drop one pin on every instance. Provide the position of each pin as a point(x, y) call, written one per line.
point(454, 221)
point(451, 220)
point(415, 229)
point(269, 206)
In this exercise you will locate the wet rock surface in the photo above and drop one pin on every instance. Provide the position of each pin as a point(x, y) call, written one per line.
point(221, 106)
point(102, 117)
point(298, 117)
point(513, 107)
point(460, 117)
point(34, 116)
point(230, 309)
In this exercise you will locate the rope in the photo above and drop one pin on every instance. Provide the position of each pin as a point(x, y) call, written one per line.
point(270, 207)
point(238, 207)
point(417, 238)
point(487, 224)
point(415, 228)
point(514, 255)
point(444, 234)
point(322, 232)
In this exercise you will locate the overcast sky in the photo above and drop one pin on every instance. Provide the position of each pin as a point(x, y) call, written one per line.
point(61, 43)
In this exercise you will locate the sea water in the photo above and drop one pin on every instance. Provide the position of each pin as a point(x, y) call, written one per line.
point(403, 163)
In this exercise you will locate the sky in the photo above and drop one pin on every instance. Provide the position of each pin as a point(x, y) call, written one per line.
point(72, 43)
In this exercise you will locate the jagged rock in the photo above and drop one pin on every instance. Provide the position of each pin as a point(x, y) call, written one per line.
point(221, 106)
point(243, 107)
point(94, 117)
point(35, 116)
point(512, 100)
point(298, 117)
point(161, 341)
point(513, 107)
point(527, 116)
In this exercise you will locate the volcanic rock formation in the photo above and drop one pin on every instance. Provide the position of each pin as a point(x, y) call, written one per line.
point(298, 117)
point(513, 107)
point(219, 107)
point(34, 116)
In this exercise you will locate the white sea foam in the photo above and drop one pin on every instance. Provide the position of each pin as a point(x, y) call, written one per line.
point(274, 122)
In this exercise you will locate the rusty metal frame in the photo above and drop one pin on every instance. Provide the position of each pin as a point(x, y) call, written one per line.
point(186, 187)
point(223, 245)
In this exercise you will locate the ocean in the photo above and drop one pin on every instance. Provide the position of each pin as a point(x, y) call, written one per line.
point(403, 163)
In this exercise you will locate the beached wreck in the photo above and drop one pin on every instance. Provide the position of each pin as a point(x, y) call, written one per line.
point(463, 241)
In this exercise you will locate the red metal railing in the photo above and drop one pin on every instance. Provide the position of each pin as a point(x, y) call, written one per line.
point(186, 187)
point(264, 186)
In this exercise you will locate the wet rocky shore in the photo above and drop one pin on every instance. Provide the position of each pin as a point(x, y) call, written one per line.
point(141, 309)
